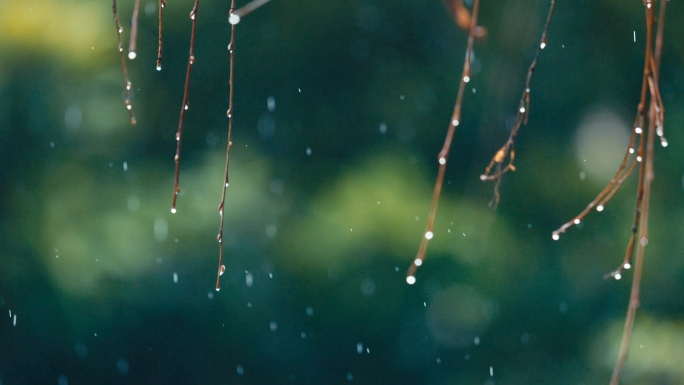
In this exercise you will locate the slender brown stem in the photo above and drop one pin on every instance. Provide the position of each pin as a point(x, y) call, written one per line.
point(229, 113)
point(184, 106)
point(508, 149)
point(162, 4)
point(655, 121)
point(444, 153)
point(134, 30)
point(127, 83)
point(600, 201)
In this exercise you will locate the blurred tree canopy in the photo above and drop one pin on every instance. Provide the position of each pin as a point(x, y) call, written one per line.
point(331, 182)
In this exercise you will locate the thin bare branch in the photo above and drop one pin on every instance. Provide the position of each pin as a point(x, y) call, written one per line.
point(444, 153)
point(162, 4)
point(134, 30)
point(127, 82)
point(655, 121)
point(229, 113)
point(508, 149)
point(184, 106)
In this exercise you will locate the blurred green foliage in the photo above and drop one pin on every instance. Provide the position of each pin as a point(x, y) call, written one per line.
point(328, 198)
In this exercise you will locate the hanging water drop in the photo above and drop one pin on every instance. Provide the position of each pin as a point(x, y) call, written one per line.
point(222, 270)
point(410, 280)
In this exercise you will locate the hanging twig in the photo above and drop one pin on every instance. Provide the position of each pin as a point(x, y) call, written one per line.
point(127, 83)
point(134, 30)
point(229, 113)
point(233, 18)
point(184, 106)
point(655, 126)
point(162, 4)
point(444, 153)
point(508, 149)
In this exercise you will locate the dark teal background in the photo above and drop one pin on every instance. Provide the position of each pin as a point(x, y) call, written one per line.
point(329, 196)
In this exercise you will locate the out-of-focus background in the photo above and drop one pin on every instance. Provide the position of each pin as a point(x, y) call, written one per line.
point(340, 111)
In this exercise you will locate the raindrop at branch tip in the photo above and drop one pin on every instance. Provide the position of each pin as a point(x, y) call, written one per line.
point(663, 143)
point(555, 237)
point(627, 266)
point(173, 210)
point(410, 280)
point(599, 208)
point(222, 270)
point(618, 276)
point(158, 68)
point(132, 55)
point(233, 19)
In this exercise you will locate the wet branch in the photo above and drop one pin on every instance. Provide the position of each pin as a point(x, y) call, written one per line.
point(134, 30)
point(229, 113)
point(184, 106)
point(444, 153)
point(233, 18)
point(496, 169)
point(127, 83)
point(162, 4)
point(656, 115)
